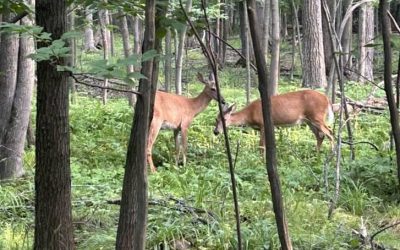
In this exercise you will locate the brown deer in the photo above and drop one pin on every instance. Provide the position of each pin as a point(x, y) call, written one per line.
point(288, 109)
point(177, 113)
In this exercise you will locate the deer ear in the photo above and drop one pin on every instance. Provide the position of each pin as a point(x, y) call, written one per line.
point(230, 109)
point(201, 78)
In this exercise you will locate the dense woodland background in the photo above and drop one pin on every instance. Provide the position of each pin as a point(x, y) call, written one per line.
point(77, 86)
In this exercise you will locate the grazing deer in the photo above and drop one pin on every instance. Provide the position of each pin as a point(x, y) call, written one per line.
point(288, 109)
point(177, 113)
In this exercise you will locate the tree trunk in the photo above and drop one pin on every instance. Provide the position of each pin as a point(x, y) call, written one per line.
point(394, 115)
point(366, 35)
point(53, 217)
point(179, 56)
point(111, 32)
point(328, 50)
point(131, 232)
point(347, 37)
point(123, 26)
point(313, 50)
point(274, 67)
point(89, 37)
point(72, 46)
point(247, 54)
point(269, 136)
point(266, 24)
point(8, 78)
point(10, 162)
point(168, 60)
point(105, 34)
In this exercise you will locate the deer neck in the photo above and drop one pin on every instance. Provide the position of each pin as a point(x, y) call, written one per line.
point(240, 118)
point(200, 102)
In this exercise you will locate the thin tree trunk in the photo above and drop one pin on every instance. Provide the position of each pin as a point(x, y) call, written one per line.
point(53, 216)
point(269, 132)
point(168, 60)
point(366, 35)
point(274, 67)
point(72, 59)
point(179, 57)
point(314, 63)
point(13, 141)
point(394, 115)
point(111, 32)
point(296, 19)
point(247, 41)
point(8, 78)
point(123, 26)
point(266, 24)
point(328, 50)
point(131, 232)
point(103, 18)
point(347, 37)
point(89, 37)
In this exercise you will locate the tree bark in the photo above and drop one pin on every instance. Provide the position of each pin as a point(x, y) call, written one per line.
point(53, 217)
point(347, 36)
point(366, 35)
point(313, 50)
point(123, 26)
point(269, 132)
point(394, 115)
point(168, 60)
point(266, 24)
point(10, 155)
point(274, 67)
point(131, 232)
point(105, 34)
point(89, 37)
point(179, 56)
point(328, 50)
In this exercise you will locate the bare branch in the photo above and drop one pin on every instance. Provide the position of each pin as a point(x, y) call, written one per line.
point(103, 87)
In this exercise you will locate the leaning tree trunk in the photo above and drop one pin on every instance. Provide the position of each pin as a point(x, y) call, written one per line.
point(8, 80)
point(269, 136)
point(366, 35)
point(394, 115)
point(274, 67)
point(131, 232)
point(53, 216)
point(313, 50)
point(89, 37)
point(179, 56)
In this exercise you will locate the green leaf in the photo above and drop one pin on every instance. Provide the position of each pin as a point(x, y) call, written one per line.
point(148, 55)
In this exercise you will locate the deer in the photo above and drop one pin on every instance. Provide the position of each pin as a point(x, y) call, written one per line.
point(289, 109)
point(177, 112)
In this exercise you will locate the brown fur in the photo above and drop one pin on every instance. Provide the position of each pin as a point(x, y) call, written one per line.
point(177, 113)
point(288, 109)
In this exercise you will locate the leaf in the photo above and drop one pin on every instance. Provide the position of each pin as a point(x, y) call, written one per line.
point(148, 55)
point(71, 35)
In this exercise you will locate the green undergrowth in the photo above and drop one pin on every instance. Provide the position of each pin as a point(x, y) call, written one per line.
point(194, 202)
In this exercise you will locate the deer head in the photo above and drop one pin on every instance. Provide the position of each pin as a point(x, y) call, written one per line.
point(210, 88)
point(226, 115)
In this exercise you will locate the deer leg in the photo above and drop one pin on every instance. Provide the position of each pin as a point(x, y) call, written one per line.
point(177, 146)
point(320, 130)
point(153, 132)
point(262, 143)
point(184, 144)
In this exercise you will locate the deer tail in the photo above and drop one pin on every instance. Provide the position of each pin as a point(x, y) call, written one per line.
point(330, 118)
